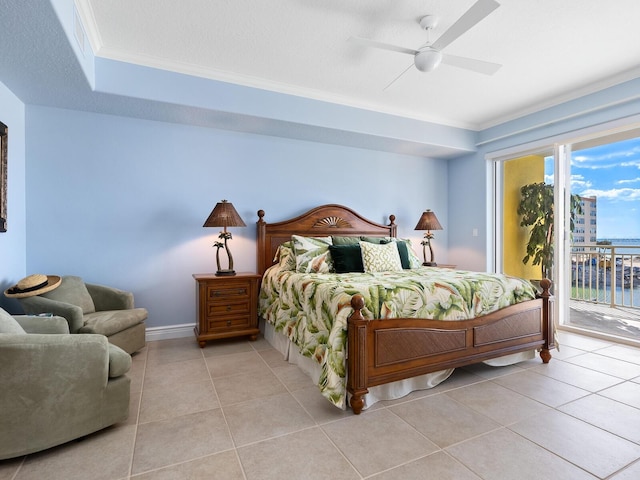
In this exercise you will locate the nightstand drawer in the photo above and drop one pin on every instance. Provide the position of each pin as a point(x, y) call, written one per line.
point(225, 293)
point(228, 323)
point(228, 308)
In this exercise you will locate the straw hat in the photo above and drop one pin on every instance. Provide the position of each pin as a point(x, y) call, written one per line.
point(33, 285)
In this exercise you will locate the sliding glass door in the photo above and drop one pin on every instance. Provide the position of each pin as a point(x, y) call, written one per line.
point(554, 211)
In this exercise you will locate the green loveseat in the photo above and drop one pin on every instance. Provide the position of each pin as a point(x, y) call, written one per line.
point(56, 387)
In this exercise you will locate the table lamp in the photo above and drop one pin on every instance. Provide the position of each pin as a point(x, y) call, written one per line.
point(428, 221)
point(224, 215)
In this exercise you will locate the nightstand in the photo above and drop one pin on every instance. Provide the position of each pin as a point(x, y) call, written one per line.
point(227, 306)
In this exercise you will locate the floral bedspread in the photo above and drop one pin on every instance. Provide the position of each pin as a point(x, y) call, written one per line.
point(312, 309)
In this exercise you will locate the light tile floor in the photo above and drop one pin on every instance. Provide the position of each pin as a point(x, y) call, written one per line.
point(236, 410)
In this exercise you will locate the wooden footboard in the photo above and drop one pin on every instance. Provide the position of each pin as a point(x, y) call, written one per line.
point(383, 351)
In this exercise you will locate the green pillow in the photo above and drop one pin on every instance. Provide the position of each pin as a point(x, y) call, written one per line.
point(403, 251)
point(337, 240)
point(377, 240)
point(346, 258)
point(412, 258)
point(407, 255)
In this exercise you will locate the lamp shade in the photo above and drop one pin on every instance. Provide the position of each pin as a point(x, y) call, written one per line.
point(224, 215)
point(428, 221)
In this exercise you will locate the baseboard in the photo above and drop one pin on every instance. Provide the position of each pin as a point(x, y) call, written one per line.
point(170, 331)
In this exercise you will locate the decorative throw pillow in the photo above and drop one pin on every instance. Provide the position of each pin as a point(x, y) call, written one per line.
point(345, 240)
point(404, 254)
point(346, 258)
point(414, 261)
point(381, 257)
point(285, 256)
point(354, 240)
point(408, 257)
point(377, 240)
point(312, 254)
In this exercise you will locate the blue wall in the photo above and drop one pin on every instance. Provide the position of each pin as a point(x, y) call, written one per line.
point(13, 241)
point(121, 201)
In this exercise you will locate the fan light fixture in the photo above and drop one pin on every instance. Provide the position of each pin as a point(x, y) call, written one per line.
point(427, 60)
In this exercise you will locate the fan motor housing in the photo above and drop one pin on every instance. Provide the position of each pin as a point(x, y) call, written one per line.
point(427, 59)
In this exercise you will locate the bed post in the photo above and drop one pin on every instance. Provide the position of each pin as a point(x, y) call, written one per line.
point(260, 242)
point(548, 323)
point(357, 352)
point(393, 228)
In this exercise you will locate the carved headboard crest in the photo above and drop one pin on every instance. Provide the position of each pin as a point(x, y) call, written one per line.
point(332, 222)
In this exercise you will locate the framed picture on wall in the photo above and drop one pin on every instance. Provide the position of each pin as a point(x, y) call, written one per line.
point(3, 177)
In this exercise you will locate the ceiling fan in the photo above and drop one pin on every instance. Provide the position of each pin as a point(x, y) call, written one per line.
point(428, 57)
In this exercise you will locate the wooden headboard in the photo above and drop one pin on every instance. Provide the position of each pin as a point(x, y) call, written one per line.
point(318, 222)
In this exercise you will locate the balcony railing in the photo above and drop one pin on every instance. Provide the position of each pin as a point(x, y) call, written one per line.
point(607, 274)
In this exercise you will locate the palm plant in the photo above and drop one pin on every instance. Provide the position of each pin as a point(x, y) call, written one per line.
point(536, 210)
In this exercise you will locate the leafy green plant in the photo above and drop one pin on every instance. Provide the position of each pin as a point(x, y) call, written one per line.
point(536, 210)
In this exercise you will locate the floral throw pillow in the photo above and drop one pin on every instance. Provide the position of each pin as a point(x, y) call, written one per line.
point(312, 254)
point(285, 256)
point(380, 258)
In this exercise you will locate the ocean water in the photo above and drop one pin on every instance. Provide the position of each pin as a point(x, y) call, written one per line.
point(625, 242)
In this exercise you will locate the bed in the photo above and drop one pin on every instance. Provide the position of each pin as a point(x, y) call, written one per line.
point(360, 343)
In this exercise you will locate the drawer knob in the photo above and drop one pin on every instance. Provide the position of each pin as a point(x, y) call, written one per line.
point(228, 308)
point(228, 323)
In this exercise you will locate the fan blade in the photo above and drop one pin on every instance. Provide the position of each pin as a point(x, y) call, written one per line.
point(475, 14)
point(398, 77)
point(385, 46)
point(479, 66)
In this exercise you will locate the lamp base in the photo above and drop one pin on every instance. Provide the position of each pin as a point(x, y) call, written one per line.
point(223, 273)
point(429, 264)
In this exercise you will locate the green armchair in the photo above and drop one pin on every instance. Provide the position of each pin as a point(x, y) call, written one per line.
point(91, 308)
point(56, 387)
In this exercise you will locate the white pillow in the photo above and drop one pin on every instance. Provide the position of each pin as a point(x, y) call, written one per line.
point(380, 258)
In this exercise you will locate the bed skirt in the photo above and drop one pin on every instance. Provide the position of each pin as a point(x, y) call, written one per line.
point(389, 391)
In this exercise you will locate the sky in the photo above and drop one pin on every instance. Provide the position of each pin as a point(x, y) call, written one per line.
point(611, 173)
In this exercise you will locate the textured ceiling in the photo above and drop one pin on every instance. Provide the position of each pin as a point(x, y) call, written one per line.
point(551, 50)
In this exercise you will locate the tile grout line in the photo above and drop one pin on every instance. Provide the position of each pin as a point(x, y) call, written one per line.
point(224, 417)
point(135, 430)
